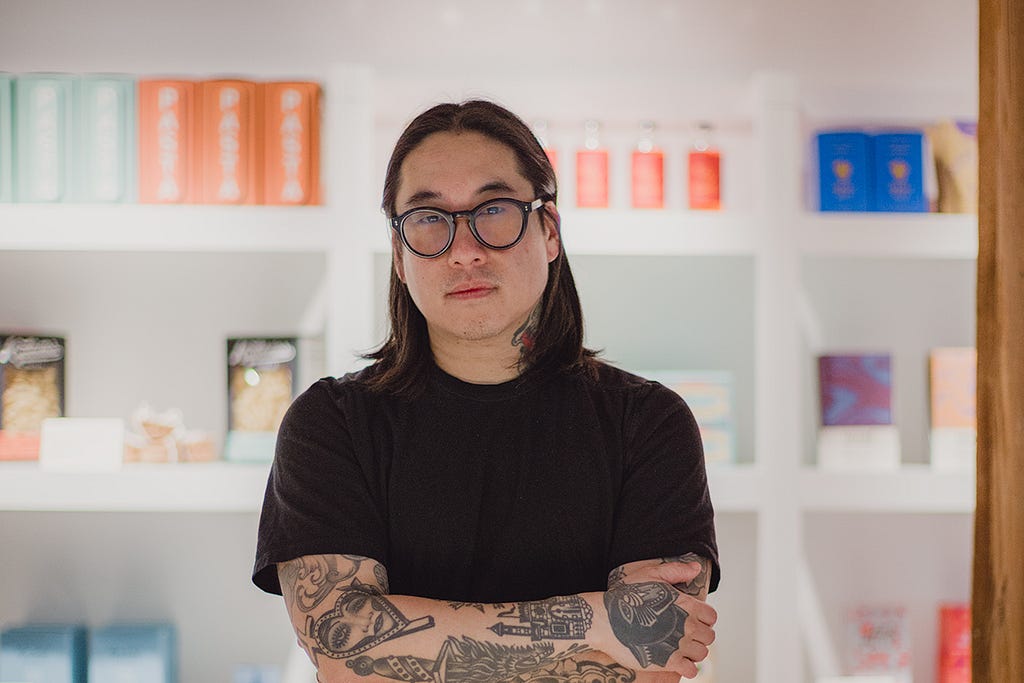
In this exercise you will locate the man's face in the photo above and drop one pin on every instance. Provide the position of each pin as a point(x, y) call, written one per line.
point(471, 293)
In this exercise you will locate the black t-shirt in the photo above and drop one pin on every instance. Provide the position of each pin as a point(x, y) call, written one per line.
point(489, 493)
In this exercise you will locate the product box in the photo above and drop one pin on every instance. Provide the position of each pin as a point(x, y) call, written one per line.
point(648, 176)
point(105, 144)
point(953, 392)
point(704, 185)
point(261, 385)
point(43, 132)
point(133, 652)
point(954, 643)
point(844, 171)
point(592, 178)
point(857, 430)
point(878, 641)
point(6, 138)
point(169, 170)
point(43, 653)
point(709, 395)
point(232, 158)
point(899, 172)
point(954, 146)
point(291, 143)
point(31, 390)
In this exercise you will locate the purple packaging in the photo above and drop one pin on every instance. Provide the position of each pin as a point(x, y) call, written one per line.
point(855, 389)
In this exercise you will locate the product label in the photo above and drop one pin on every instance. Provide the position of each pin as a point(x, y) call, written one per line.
point(592, 178)
point(648, 180)
point(291, 137)
point(22, 352)
point(254, 353)
point(704, 183)
point(106, 171)
point(228, 144)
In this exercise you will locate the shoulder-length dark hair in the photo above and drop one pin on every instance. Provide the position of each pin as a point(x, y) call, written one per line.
point(405, 355)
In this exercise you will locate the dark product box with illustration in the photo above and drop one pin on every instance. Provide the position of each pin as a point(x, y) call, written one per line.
point(261, 386)
point(31, 390)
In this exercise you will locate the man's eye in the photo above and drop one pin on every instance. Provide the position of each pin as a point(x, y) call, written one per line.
point(494, 210)
point(427, 219)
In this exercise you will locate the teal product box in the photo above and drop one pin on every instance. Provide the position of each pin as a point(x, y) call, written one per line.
point(41, 653)
point(133, 652)
point(43, 135)
point(844, 171)
point(6, 139)
point(105, 139)
point(709, 395)
point(899, 173)
point(262, 375)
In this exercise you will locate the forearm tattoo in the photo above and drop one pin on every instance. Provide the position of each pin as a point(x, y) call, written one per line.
point(645, 618)
point(697, 585)
point(362, 619)
point(468, 660)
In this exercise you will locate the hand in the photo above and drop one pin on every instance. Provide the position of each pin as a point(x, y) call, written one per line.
point(655, 624)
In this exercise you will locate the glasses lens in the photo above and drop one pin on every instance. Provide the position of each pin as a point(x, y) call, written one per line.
point(499, 223)
point(426, 232)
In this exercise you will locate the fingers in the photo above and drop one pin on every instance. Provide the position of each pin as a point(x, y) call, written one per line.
point(700, 610)
point(705, 635)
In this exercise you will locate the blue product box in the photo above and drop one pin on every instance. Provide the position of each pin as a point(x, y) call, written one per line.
point(899, 172)
point(844, 171)
point(41, 653)
point(43, 136)
point(105, 142)
point(133, 652)
point(6, 140)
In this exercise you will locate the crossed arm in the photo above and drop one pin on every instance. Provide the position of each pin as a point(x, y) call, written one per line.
point(651, 624)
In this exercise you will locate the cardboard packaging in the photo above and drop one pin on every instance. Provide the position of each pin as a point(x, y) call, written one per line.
point(844, 171)
point(954, 643)
point(43, 125)
point(291, 139)
point(709, 395)
point(232, 158)
point(31, 390)
point(704, 184)
point(878, 641)
point(899, 172)
point(51, 653)
point(105, 157)
point(592, 178)
point(857, 430)
point(955, 147)
point(133, 652)
point(261, 385)
point(6, 138)
point(648, 175)
point(953, 392)
point(169, 170)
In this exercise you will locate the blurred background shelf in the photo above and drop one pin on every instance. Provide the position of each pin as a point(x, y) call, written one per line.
point(911, 489)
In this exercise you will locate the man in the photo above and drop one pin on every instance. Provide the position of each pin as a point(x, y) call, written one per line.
point(488, 501)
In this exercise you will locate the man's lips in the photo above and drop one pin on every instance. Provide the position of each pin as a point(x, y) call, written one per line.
point(471, 290)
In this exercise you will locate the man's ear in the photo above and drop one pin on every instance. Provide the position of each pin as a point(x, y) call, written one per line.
point(552, 223)
point(396, 257)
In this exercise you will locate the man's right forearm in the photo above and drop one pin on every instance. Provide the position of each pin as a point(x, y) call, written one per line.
point(353, 631)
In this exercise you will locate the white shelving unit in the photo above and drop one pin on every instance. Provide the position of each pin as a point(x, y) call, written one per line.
point(764, 501)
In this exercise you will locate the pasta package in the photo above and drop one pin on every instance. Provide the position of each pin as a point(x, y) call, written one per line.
point(31, 390)
point(261, 386)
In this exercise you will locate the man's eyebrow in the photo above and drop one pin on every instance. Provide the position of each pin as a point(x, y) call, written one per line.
point(432, 195)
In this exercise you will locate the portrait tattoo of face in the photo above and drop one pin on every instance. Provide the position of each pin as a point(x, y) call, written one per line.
point(362, 619)
point(645, 618)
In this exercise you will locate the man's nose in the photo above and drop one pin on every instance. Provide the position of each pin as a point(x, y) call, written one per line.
point(465, 248)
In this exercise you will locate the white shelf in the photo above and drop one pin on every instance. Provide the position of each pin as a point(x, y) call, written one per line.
point(736, 488)
point(195, 487)
point(872, 235)
point(911, 489)
point(147, 227)
point(648, 232)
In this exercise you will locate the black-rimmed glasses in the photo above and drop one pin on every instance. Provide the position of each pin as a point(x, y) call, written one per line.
point(496, 224)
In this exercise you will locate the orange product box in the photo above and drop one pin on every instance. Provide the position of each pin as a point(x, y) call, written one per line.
point(169, 137)
point(705, 180)
point(231, 155)
point(592, 178)
point(291, 143)
point(953, 387)
point(648, 180)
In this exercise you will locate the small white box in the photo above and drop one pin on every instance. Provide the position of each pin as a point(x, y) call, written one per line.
point(954, 449)
point(859, 448)
point(81, 444)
